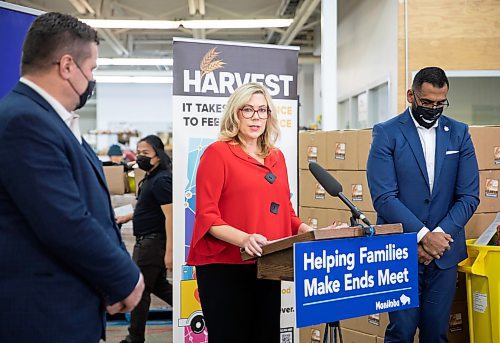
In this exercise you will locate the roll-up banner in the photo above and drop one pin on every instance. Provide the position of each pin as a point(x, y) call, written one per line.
point(206, 73)
point(14, 24)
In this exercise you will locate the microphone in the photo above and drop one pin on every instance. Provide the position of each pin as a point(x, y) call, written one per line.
point(334, 188)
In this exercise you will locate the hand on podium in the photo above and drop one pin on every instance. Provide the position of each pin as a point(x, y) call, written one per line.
point(303, 228)
point(253, 243)
point(337, 225)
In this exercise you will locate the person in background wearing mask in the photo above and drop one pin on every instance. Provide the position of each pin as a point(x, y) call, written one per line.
point(152, 226)
point(422, 172)
point(62, 258)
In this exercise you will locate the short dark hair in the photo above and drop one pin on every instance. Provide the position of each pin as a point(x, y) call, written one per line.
point(433, 75)
point(159, 149)
point(53, 35)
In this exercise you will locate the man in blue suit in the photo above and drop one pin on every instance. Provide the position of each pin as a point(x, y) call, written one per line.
point(62, 259)
point(422, 172)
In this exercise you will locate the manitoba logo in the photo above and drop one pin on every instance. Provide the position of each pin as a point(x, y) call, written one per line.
point(402, 301)
point(209, 63)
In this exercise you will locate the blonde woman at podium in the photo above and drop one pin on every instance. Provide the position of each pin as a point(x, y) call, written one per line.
point(242, 202)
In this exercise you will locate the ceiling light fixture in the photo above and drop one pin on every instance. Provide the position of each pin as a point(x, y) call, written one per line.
point(135, 61)
point(188, 24)
point(133, 79)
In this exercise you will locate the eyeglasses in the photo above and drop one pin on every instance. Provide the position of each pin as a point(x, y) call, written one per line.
point(431, 104)
point(248, 112)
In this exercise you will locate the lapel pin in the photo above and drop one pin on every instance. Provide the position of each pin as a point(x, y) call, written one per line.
point(446, 128)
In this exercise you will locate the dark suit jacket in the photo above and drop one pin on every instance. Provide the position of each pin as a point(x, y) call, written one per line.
point(61, 254)
point(399, 184)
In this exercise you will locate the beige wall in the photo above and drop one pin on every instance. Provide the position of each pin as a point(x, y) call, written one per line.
point(451, 34)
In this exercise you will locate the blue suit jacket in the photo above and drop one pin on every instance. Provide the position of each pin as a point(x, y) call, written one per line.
point(61, 254)
point(399, 184)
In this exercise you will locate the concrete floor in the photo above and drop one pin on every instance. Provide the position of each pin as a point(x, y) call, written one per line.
point(155, 333)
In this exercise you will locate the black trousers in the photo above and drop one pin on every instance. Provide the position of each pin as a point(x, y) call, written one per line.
point(237, 306)
point(149, 254)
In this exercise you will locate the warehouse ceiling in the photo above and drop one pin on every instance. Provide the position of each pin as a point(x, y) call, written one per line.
point(153, 43)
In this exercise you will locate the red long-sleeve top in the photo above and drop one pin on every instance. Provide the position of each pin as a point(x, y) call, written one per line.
point(231, 189)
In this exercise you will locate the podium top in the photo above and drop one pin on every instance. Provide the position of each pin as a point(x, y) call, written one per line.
point(319, 234)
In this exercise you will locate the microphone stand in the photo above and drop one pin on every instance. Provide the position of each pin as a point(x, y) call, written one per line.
point(332, 329)
point(369, 230)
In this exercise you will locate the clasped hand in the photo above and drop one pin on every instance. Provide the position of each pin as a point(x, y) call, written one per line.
point(435, 244)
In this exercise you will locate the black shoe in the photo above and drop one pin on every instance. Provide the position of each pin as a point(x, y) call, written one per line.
point(129, 340)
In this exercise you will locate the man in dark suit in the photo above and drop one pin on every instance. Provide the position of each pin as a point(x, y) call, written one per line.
point(62, 259)
point(422, 172)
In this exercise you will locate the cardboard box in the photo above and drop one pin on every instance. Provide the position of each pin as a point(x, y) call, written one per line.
point(478, 223)
point(351, 336)
point(115, 178)
point(139, 174)
point(312, 334)
point(311, 194)
point(458, 331)
point(321, 217)
point(342, 150)
point(342, 216)
point(312, 148)
point(372, 216)
point(488, 191)
point(486, 141)
point(363, 143)
point(315, 217)
point(355, 188)
point(373, 324)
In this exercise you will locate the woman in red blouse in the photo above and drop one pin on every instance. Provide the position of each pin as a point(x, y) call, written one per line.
point(242, 202)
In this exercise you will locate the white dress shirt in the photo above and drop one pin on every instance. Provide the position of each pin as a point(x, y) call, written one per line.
point(428, 142)
point(70, 118)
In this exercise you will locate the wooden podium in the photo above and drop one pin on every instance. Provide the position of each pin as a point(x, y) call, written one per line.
point(276, 262)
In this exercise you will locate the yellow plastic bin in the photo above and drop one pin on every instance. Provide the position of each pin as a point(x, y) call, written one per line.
point(482, 270)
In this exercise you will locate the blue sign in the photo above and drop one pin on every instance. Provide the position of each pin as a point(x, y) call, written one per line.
point(351, 277)
point(14, 25)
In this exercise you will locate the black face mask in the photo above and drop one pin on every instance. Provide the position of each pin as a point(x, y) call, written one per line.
point(144, 162)
point(87, 94)
point(426, 117)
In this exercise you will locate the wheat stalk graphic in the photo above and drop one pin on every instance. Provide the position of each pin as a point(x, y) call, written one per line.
point(209, 63)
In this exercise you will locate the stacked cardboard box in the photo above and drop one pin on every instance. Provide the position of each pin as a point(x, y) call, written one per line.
point(312, 334)
point(372, 328)
point(486, 141)
point(344, 155)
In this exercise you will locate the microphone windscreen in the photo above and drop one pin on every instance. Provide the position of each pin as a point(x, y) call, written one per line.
point(325, 179)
